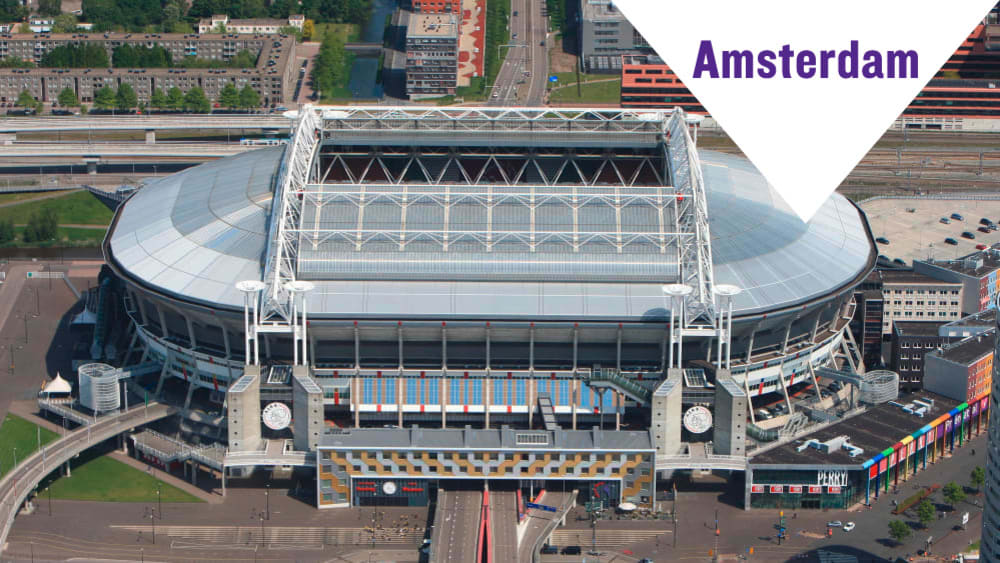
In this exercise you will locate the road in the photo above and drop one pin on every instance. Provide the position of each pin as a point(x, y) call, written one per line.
point(528, 31)
point(540, 523)
point(142, 122)
point(503, 520)
point(16, 485)
point(456, 526)
point(207, 150)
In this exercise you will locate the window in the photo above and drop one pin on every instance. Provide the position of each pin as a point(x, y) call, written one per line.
point(389, 395)
point(454, 396)
point(366, 392)
point(520, 386)
point(524, 439)
point(477, 392)
point(497, 392)
point(412, 395)
point(563, 392)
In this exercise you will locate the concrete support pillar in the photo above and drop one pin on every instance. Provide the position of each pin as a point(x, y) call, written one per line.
point(163, 322)
point(399, 399)
point(443, 395)
point(788, 332)
point(618, 410)
point(531, 349)
point(618, 353)
point(190, 392)
point(223, 480)
point(185, 466)
point(576, 344)
point(573, 397)
point(194, 473)
point(444, 347)
point(192, 339)
point(91, 166)
point(532, 399)
point(163, 375)
point(488, 384)
point(753, 334)
point(69, 470)
point(356, 398)
point(150, 137)
point(124, 443)
point(357, 347)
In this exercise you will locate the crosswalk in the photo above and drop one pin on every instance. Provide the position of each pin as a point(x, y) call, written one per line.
point(280, 537)
point(606, 539)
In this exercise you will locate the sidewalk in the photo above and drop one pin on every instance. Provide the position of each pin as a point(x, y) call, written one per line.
point(27, 410)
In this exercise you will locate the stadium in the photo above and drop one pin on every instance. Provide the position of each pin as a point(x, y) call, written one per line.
point(453, 266)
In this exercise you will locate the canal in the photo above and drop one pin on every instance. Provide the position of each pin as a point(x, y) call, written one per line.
point(364, 82)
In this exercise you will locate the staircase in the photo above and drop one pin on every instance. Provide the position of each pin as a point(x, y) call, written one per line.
point(548, 413)
point(609, 377)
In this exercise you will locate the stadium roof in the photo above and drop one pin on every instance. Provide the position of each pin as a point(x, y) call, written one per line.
point(196, 233)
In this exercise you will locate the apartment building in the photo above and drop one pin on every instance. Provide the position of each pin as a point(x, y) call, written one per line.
point(265, 26)
point(912, 296)
point(273, 77)
point(437, 6)
point(605, 35)
point(648, 82)
point(977, 273)
point(431, 55)
point(961, 371)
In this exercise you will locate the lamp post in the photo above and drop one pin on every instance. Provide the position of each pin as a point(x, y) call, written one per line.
point(48, 491)
point(261, 517)
point(159, 506)
point(267, 500)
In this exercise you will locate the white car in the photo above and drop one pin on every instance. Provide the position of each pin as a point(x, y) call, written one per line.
point(834, 524)
point(848, 526)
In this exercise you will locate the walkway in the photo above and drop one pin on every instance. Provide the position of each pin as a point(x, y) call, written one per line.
point(538, 525)
point(17, 484)
point(456, 521)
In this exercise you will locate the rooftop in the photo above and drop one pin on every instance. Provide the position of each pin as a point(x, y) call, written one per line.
point(983, 318)
point(432, 25)
point(600, 10)
point(436, 439)
point(911, 277)
point(968, 351)
point(917, 328)
point(977, 264)
point(874, 430)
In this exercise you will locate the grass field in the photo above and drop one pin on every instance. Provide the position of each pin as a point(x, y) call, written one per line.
point(78, 207)
point(608, 92)
point(497, 33)
point(24, 196)
point(349, 32)
point(105, 479)
point(65, 236)
point(17, 433)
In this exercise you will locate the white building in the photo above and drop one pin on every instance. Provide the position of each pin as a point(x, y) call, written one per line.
point(266, 26)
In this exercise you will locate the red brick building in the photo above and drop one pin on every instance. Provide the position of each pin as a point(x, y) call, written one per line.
point(648, 82)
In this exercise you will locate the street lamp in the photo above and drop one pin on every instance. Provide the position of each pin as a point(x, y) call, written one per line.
point(267, 502)
point(159, 506)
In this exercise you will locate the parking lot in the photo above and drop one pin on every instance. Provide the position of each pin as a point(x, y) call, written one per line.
point(914, 229)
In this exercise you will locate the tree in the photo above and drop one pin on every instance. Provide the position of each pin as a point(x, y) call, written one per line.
point(175, 98)
point(249, 98)
point(219, 28)
point(308, 30)
point(158, 99)
point(67, 98)
point(125, 98)
point(64, 23)
point(15, 62)
point(42, 225)
point(925, 512)
point(50, 7)
point(977, 477)
point(898, 530)
point(104, 98)
point(79, 55)
point(329, 68)
point(25, 99)
point(953, 493)
point(6, 230)
point(229, 96)
point(195, 101)
point(12, 10)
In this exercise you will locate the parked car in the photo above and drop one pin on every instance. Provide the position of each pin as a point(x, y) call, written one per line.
point(984, 230)
point(957, 217)
point(882, 240)
point(950, 240)
point(848, 526)
point(571, 550)
point(945, 220)
point(980, 247)
point(968, 235)
point(550, 550)
point(834, 524)
point(899, 261)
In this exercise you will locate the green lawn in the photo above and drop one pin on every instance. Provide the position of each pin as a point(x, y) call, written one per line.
point(109, 480)
point(17, 433)
point(24, 196)
point(349, 32)
point(77, 207)
point(601, 92)
point(65, 236)
point(497, 33)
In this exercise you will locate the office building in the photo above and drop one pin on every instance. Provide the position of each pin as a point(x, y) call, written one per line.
point(431, 55)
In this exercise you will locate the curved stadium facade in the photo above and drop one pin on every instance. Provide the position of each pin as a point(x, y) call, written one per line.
point(527, 247)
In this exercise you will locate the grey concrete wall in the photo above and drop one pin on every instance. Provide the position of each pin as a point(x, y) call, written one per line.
point(666, 414)
point(731, 405)
point(243, 413)
point(307, 410)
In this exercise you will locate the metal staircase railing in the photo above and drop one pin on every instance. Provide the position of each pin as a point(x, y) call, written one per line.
point(613, 377)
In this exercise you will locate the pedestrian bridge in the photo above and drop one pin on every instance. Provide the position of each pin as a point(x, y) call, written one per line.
point(21, 481)
point(709, 462)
